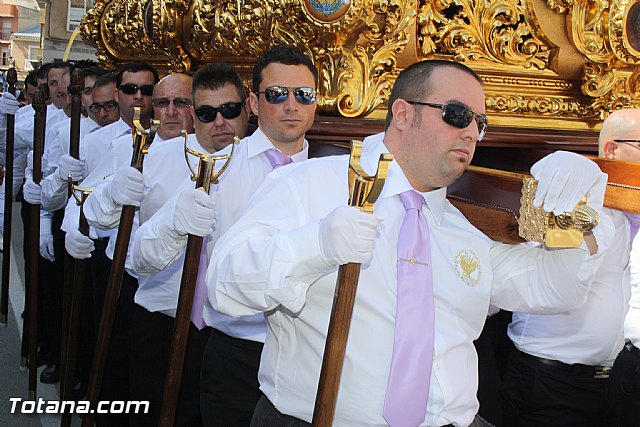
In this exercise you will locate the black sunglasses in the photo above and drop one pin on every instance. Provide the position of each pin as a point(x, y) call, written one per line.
point(229, 110)
point(459, 116)
point(177, 102)
point(278, 94)
point(132, 89)
point(108, 107)
point(630, 142)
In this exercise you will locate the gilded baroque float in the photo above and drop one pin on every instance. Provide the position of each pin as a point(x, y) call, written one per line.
point(556, 64)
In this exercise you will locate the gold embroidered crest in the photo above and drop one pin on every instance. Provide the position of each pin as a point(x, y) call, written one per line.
point(467, 267)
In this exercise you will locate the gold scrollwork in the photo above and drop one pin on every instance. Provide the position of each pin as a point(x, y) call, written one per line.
point(482, 29)
point(129, 29)
point(355, 56)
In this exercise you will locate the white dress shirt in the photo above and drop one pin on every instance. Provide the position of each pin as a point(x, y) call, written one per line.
point(23, 139)
point(102, 158)
point(270, 261)
point(632, 320)
point(592, 334)
point(153, 254)
point(54, 189)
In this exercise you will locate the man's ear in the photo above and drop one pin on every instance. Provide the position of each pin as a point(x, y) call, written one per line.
point(609, 149)
point(253, 103)
point(403, 114)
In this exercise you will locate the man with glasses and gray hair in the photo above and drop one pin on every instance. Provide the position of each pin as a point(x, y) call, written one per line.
point(427, 275)
point(558, 374)
point(283, 98)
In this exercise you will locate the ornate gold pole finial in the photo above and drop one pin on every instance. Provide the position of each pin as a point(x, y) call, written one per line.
point(565, 230)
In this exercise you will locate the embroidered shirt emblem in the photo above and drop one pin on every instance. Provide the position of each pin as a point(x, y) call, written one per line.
point(467, 267)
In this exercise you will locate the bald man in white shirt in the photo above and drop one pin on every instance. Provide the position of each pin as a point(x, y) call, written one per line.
point(558, 373)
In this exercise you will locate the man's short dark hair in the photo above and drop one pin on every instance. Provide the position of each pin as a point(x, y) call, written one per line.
point(85, 63)
point(59, 65)
point(135, 67)
point(42, 73)
point(105, 79)
point(282, 54)
point(216, 75)
point(414, 82)
point(31, 79)
point(94, 72)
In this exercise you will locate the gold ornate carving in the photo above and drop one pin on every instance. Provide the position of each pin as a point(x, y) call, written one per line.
point(128, 30)
point(497, 31)
point(534, 74)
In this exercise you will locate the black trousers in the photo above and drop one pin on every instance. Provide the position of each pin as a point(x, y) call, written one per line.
point(115, 382)
point(149, 345)
point(535, 394)
point(229, 389)
point(493, 347)
point(624, 389)
point(51, 286)
point(267, 415)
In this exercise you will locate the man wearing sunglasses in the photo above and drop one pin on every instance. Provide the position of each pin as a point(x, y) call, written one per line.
point(559, 373)
point(172, 107)
point(103, 151)
point(215, 87)
point(427, 275)
point(229, 387)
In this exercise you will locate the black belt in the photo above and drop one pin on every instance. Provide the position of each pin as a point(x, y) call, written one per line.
point(628, 346)
point(577, 369)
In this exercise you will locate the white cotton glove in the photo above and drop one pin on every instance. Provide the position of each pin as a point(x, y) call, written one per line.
point(77, 244)
point(194, 213)
point(46, 244)
point(30, 160)
point(32, 192)
point(67, 165)
point(9, 104)
point(564, 178)
point(348, 235)
point(126, 187)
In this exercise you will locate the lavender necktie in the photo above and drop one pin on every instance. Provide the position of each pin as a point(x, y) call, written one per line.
point(200, 294)
point(276, 158)
point(634, 222)
point(405, 403)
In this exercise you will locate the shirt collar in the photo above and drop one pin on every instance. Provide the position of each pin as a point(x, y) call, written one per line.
point(258, 143)
point(396, 182)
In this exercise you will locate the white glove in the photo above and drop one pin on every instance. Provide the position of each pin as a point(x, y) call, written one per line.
point(46, 244)
point(77, 244)
point(30, 160)
point(194, 213)
point(32, 193)
point(126, 187)
point(348, 235)
point(67, 165)
point(9, 104)
point(564, 178)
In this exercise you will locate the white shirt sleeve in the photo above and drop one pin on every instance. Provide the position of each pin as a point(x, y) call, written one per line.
point(99, 208)
point(155, 246)
point(269, 258)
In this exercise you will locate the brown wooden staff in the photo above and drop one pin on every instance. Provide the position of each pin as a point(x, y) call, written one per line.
point(73, 283)
point(364, 191)
point(39, 123)
point(12, 77)
point(141, 142)
point(205, 177)
point(74, 310)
